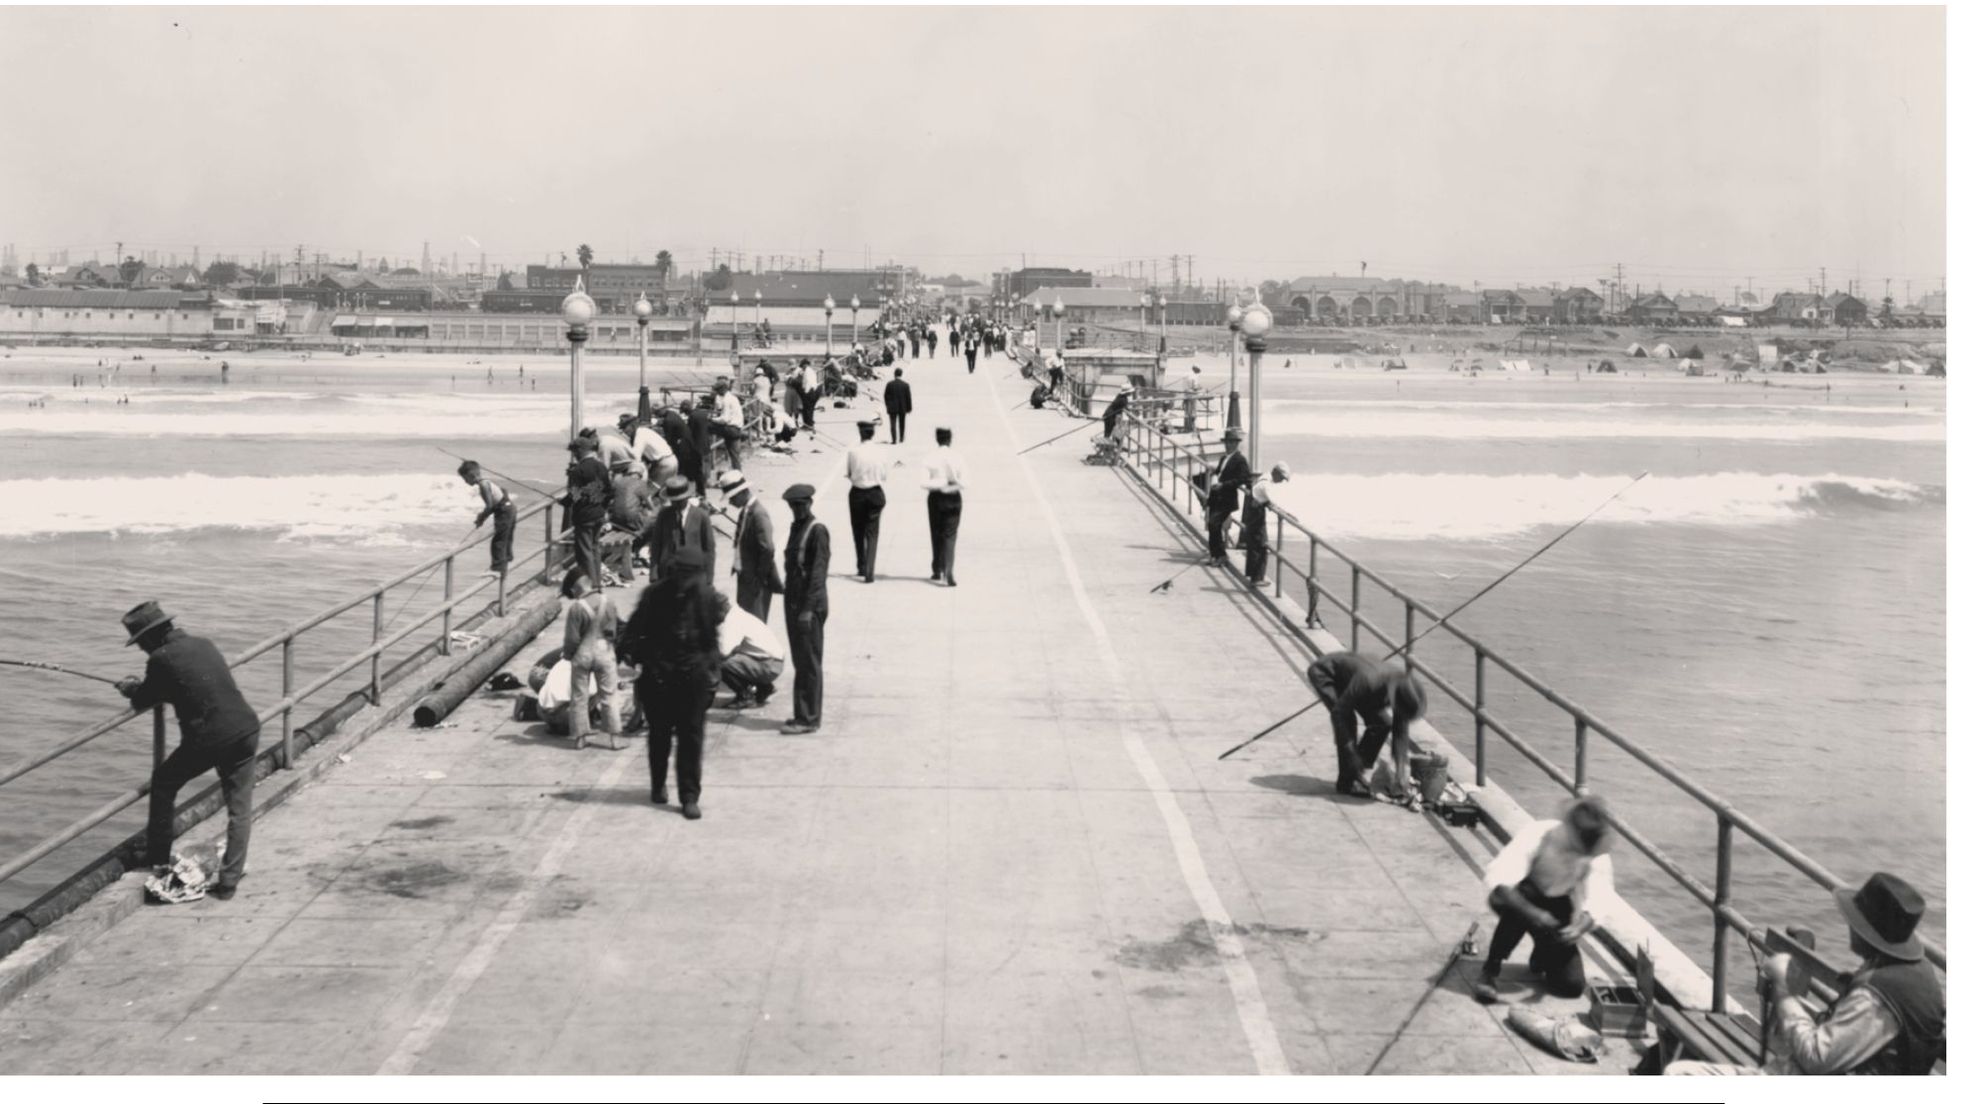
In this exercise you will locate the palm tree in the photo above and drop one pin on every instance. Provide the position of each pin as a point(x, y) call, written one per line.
point(586, 255)
point(664, 264)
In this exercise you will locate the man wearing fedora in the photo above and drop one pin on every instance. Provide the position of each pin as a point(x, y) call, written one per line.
point(218, 731)
point(681, 523)
point(808, 552)
point(1889, 1019)
point(589, 495)
point(1224, 487)
point(754, 553)
point(1541, 885)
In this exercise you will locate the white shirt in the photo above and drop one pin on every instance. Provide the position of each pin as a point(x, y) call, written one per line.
point(651, 446)
point(615, 448)
point(1543, 853)
point(741, 630)
point(729, 410)
point(867, 464)
point(558, 687)
point(1260, 490)
point(1194, 383)
point(944, 471)
point(808, 379)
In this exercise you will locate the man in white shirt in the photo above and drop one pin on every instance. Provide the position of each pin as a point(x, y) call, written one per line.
point(1256, 524)
point(943, 477)
point(618, 454)
point(754, 657)
point(1191, 388)
point(1541, 885)
point(651, 451)
point(867, 465)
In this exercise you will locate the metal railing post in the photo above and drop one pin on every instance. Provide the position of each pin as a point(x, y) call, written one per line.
point(1723, 898)
point(1481, 723)
point(1276, 552)
point(1580, 782)
point(1406, 646)
point(156, 736)
point(287, 714)
point(1310, 586)
point(375, 661)
point(546, 557)
point(450, 576)
point(1355, 579)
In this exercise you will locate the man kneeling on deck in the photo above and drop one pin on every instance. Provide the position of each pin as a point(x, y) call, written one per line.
point(1539, 886)
point(1387, 698)
point(754, 657)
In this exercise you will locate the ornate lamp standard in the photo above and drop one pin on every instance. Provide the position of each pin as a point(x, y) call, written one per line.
point(576, 310)
point(829, 327)
point(1058, 308)
point(758, 297)
point(1235, 397)
point(853, 305)
point(733, 326)
point(1256, 323)
point(1146, 301)
point(644, 310)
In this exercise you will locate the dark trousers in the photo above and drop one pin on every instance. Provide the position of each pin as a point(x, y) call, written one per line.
point(754, 597)
point(234, 764)
point(864, 506)
point(1255, 544)
point(808, 645)
point(676, 703)
point(504, 523)
point(587, 547)
point(971, 354)
point(931, 350)
point(1355, 756)
point(897, 427)
point(1559, 963)
point(1218, 538)
point(945, 515)
point(811, 401)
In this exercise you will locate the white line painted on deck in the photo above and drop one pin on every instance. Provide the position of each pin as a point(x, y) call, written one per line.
point(1243, 986)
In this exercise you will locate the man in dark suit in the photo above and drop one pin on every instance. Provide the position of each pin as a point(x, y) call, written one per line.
point(754, 554)
point(900, 400)
point(702, 439)
point(680, 524)
point(808, 552)
point(590, 492)
point(673, 424)
point(1224, 487)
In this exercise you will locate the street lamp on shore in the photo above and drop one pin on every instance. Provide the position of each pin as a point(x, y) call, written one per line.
point(1058, 308)
point(576, 310)
point(1146, 301)
point(1235, 397)
point(829, 327)
point(644, 310)
point(853, 305)
point(1256, 322)
point(733, 326)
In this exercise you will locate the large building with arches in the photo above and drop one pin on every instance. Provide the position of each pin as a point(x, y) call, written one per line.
point(1359, 299)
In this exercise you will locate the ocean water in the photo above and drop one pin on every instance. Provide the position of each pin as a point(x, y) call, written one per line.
point(1766, 609)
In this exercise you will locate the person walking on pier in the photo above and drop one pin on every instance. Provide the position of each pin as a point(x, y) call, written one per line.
point(866, 469)
point(217, 731)
point(702, 443)
point(754, 557)
point(1224, 489)
point(588, 645)
point(943, 476)
point(672, 636)
point(589, 493)
point(1541, 885)
point(680, 524)
point(809, 385)
point(754, 658)
point(899, 399)
point(499, 507)
point(1116, 410)
point(1191, 397)
point(1256, 524)
point(808, 553)
point(931, 342)
point(1388, 698)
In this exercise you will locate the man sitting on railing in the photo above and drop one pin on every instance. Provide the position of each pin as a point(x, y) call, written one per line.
point(1889, 1019)
point(1541, 885)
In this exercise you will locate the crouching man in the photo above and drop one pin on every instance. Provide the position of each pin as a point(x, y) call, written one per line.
point(1388, 698)
point(1541, 885)
point(754, 658)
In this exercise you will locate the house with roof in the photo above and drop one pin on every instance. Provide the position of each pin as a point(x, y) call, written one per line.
point(1797, 307)
point(1538, 305)
point(1653, 309)
point(1500, 305)
point(1461, 306)
point(1083, 305)
point(1579, 305)
point(1696, 308)
point(1844, 309)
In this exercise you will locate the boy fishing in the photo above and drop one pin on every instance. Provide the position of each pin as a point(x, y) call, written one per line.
point(499, 506)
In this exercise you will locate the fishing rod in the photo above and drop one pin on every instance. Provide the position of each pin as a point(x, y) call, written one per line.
point(58, 670)
point(1169, 581)
point(508, 478)
point(1460, 949)
point(1504, 577)
point(1089, 423)
point(427, 576)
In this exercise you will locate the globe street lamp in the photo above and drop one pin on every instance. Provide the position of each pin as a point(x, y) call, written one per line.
point(1146, 301)
point(853, 305)
point(758, 297)
point(733, 326)
point(1235, 397)
point(644, 310)
point(1256, 323)
point(829, 327)
point(1058, 308)
point(576, 310)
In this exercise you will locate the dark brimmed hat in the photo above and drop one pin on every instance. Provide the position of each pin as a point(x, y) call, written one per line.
point(583, 444)
point(142, 619)
point(675, 487)
point(1232, 434)
point(798, 492)
point(1884, 913)
point(866, 424)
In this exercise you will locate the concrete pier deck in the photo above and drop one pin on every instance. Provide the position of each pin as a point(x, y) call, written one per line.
point(1010, 849)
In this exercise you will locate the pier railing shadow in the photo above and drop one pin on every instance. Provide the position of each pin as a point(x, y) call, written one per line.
point(1181, 475)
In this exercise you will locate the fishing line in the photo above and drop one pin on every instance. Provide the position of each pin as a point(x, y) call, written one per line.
point(57, 670)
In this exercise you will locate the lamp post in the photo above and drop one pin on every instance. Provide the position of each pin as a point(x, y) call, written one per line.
point(829, 327)
point(758, 298)
point(1256, 323)
point(1161, 302)
point(576, 310)
point(644, 310)
point(1145, 301)
point(1058, 308)
point(853, 305)
point(1235, 397)
point(733, 325)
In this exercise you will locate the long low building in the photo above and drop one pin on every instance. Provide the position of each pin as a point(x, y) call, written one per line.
point(75, 314)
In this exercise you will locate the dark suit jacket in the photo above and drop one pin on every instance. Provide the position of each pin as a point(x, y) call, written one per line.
point(669, 534)
point(898, 397)
point(757, 558)
point(675, 430)
point(808, 553)
point(1234, 476)
point(188, 673)
point(701, 437)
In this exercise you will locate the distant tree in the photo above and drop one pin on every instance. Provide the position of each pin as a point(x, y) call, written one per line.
point(586, 255)
point(33, 274)
point(505, 281)
point(664, 264)
point(130, 269)
point(1271, 292)
point(221, 274)
point(406, 272)
point(718, 280)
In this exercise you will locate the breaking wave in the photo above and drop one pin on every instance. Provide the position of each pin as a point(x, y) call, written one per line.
point(372, 509)
point(1469, 422)
point(1487, 507)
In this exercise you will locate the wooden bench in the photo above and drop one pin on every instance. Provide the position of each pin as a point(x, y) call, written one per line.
point(1697, 1034)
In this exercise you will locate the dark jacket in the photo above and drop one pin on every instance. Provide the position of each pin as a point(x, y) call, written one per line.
point(1230, 481)
point(187, 673)
point(757, 557)
point(673, 529)
point(702, 438)
point(898, 397)
point(1913, 994)
point(673, 631)
point(808, 553)
point(590, 490)
point(675, 430)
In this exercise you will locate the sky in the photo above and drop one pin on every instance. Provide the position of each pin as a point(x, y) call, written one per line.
point(1697, 147)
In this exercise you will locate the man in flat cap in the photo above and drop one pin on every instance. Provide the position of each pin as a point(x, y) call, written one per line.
point(681, 523)
point(589, 496)
point(808, 552)
point(867, 465)
point(1256, 524)
point(217, 731)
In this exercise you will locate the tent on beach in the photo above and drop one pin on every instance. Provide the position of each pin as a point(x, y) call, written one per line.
point(1635, 349)
point(1665, 352)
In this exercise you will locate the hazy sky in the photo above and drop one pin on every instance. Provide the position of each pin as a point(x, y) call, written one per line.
point(1699, 147)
